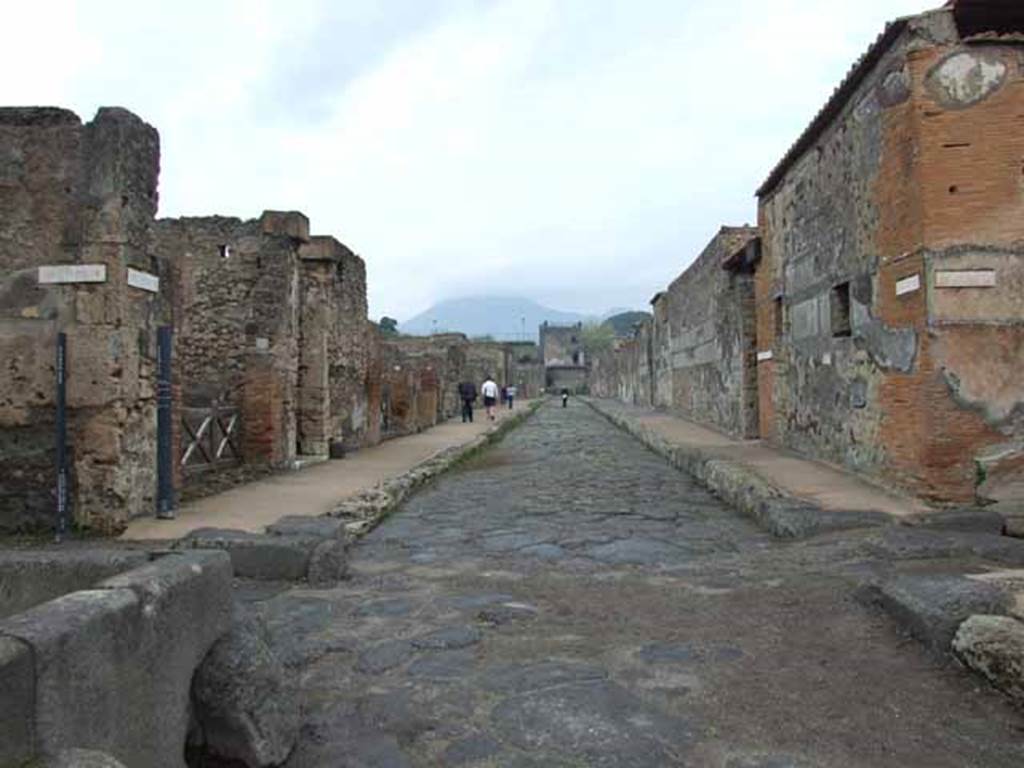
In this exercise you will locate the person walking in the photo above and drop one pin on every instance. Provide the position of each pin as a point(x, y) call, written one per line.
point(490, 392)
point(467, 393)
point(565, 397)
point(510, 394)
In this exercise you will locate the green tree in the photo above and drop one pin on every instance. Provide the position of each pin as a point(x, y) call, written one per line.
point(597, 338)
point(388, 326)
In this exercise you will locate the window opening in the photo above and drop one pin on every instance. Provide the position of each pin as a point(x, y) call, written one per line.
point(839, 303)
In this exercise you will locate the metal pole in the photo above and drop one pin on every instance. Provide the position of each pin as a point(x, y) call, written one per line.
point(164, 458)
point(63, 516)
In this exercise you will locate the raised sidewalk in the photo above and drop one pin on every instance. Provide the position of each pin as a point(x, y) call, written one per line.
point(316, 490)
point(790, 495)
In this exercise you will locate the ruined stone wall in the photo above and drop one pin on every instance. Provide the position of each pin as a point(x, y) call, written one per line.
point(74, 194)
point(661, 353)
point(485, 359)
point(525, 369)
point(624, 372)
point(562, 345)
point(869, 356)
point(236, 289)
point(351, 414)
point(333, 348)
point(706, 346)
point(374, 385)
point(421, 375)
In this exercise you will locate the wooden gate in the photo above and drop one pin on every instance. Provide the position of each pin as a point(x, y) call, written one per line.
point(209, 438)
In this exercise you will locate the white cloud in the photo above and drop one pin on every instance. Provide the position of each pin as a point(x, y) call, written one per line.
point(576, 151)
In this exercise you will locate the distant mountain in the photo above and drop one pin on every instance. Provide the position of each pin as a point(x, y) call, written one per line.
point(622, 322)
point(501, 317)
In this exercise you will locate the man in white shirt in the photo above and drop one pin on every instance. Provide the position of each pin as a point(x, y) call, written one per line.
point(490, 392)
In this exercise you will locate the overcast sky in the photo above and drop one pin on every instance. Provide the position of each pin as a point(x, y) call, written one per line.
point(578, 152)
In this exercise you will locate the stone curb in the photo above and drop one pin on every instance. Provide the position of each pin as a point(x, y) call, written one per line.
point(366, 510)
point(784, 516)
point(315, 548)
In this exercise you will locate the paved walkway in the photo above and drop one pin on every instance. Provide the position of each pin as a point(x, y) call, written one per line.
point(316, 489)
point(567, 599)
point(827, 486)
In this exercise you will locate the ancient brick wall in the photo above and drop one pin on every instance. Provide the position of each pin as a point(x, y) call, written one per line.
point(236, 297)
point(74, 194)
point(351, 414)
point(420, 376)
point(333, 348)
point(889, 309)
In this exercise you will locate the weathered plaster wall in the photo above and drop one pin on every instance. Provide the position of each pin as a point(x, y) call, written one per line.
point(709, 346)
point(873, 363)
point(77, 194)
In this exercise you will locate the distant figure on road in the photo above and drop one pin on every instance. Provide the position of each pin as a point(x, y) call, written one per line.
point(510, 395)
point(490, 392)
point(565, 397)
point(467, 393)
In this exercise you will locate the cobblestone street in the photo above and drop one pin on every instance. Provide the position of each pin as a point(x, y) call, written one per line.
point(567, 598)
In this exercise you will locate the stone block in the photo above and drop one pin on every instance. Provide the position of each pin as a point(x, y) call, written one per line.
point(967, 520)
point(18, 702)
point(328, 563)
point(994, 647)
point(305, 525)
point(81, 758)
point(286, 224)
point(125, 653)
point(259, 556)
point(30, 578)
point(932, 607)
point(906, 543)
point(789, 519)
point(246, 705)
point(82, 646)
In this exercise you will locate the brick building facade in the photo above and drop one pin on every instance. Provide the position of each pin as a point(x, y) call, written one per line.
point(889, 320)
point(889, 304)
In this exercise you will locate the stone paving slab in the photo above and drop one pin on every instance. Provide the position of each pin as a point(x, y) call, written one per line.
point(568, 598)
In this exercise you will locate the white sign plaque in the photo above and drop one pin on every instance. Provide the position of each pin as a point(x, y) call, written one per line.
point(764, 356)
point(73, 273)
point(966, 278)
point(143, 280)
point(908, 285)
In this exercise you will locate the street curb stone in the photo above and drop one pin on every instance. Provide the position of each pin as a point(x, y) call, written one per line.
point(782, 515)
point(932, 606)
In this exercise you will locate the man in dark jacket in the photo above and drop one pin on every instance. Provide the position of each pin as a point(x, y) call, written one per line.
point(467, 393)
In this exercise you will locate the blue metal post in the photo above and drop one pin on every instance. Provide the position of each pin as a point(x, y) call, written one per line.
point(164, 457)
point(63, 512)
